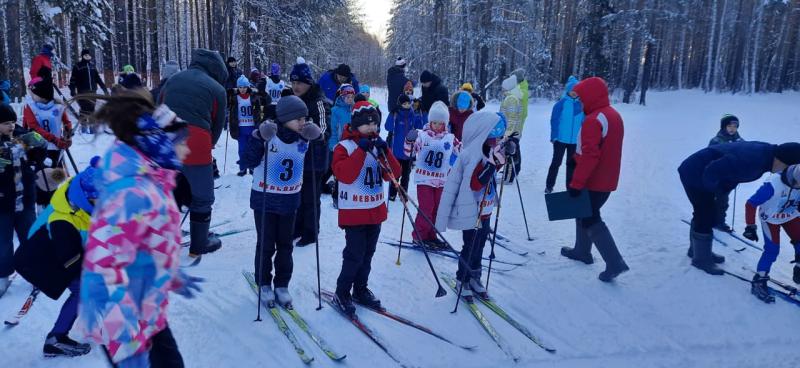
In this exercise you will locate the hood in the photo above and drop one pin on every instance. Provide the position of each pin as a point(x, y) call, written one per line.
point(211, 63)
point(571, 82)
point(477, 127)
point(593, 93)
point(5, 85)
point(59, 201)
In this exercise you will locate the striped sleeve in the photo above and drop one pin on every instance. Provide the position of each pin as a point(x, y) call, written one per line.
point(323, 117)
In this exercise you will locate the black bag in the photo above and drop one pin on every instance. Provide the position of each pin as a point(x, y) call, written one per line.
point(51, 265)
point(561, 206)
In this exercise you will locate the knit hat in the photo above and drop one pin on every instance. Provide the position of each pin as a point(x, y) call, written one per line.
point(275, 69)
point(7, 113)
point(467, 87)
point(409, 87)
point(128, 69)
point(400, 62)
point(290, 108)
point(86, 52)
point(426, 77)
point(728, 119)
point(42, 88)
point(170, 68)
point(345, 89)
point(364, 113)
point(47, 49)
point(364, 88)
point(242, 82)
point(788, 153)
point(509, 83)
point(463, 100)
point(439, 112)
point(301, 72)
point(82, 188)
point(343, 70)
point(403, 99)
point(158, 133)
point(231, 59)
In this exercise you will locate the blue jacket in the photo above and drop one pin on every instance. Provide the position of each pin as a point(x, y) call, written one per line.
point(329, 84)
point(721, 167)
point(5, 87)
point(399, 123)
point(567, 116)
point(340, 116)
point(275, 203)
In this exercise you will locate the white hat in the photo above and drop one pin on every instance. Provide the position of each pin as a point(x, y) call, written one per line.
point(439, 112)
point(400, 61)
point(509, 83)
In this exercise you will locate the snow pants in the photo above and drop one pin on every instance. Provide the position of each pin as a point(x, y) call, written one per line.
point(472, 251)
point(244, 141)
point(277, 241)
point(772, 242)
point(69, 310)
point(361, 241)
point(555, 163)
point(428, 198)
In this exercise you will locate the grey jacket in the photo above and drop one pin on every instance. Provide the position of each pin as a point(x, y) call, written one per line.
point(196, 94)
point(458, 208)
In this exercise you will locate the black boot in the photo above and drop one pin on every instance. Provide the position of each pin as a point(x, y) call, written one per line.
point(701, 244)
point(602, 239)
point(62, 345)
point(760, 289)
point(796, 262)
point(582, 251)
point(200, 241)
point(345, 302)
point(366, 298)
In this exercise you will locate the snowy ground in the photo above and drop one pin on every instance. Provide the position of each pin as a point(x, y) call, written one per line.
point(663, 313)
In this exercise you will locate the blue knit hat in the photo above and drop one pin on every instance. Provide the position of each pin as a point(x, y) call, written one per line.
point(301, 72)
point(464, 100)
point(47, 49)
point(275, 69)
point(242, 82)
point(364, 88)
point(82, 189)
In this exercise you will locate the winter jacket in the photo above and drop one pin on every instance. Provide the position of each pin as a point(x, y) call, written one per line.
point(427, 138)
point(54, 130)
point(511, 108)
point(340, 116)
point(280, 203)
point(19, 175)
point(197, 96)
point(85, 78)
point(256, 102)
point(319, 111)
point(51, 258)
point(719, 168)
point(457, 118)
point(329, 85)
point(5, 89)
point(458, 208)
point(132, 254)
point(567, 117)
point(399, 123)
point(776, 199)
point(395, 81)
point(599, 146)
point(523, 88)
point(347, 168)
point(436, 92)
point(723, 137)
point(42, 66)
point(233, 75)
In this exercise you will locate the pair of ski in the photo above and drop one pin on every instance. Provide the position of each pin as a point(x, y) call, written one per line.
point(299, 321)
point(328, 296)
point(785, 294)
point(717, 238)
point(447, 253)
point(509, 245)
point(484, 322)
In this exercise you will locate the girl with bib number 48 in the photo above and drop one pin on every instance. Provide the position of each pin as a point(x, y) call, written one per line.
point(362, 203)
point(279, 148)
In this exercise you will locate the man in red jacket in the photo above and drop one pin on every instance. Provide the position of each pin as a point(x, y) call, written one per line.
point(598, 156)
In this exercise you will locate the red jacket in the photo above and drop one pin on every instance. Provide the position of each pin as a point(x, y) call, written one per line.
point(457, 120)
point(346, 168)
point(599, 150)
point(29, 122)
point(41, 61)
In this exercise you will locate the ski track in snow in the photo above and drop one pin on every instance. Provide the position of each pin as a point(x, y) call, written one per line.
point(663, 313)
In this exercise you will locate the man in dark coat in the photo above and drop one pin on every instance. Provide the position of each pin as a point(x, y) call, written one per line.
point(85, 79)
point(432, 90)
point(395, 81)
point(197, 96)
point(331, 80)
point(716, 170)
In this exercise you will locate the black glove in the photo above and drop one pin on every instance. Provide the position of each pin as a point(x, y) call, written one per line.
point(381, 145)
point(751, 232)
point(511, 148)
point(574, 192)
point(365, 144)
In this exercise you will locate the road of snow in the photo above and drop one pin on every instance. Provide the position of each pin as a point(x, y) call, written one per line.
point(664, 313)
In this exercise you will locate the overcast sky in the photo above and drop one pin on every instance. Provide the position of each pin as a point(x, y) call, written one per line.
point(376, 15)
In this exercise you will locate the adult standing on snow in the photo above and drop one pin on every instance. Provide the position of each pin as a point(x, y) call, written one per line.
point(197, 96)
point(331, 80)
point(395, 82)
point(718, 169)
point(85, 79)
point(565, 124)
point(432, 90)
point(233, 75)
point(306, 225)
point(523, 87)
point(598, 159)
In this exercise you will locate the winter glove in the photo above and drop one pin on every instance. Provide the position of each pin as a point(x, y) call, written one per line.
point(390, 137)
point(381, 145)
point(189, 285)
point(511, 148)
point(751, 232)
point(365, 144)
point(64, 143)
point(266, 131)
point(412, 135)
point(310, 132)
point(574, 193)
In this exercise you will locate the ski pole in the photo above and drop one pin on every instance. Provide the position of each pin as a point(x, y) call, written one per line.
point(478, 225)
point(521, 204)
point(225, 160)
point(184, 218)
point(263, 229)
point(494, 231)
point(402, 225)
point(71, 160)
point(733, 220)
point(316, 226)
point(440, 292)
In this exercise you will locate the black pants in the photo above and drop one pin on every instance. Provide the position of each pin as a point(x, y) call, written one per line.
point(163, 352)
point(277, 236)
point(597, 200)
point(509, 174)
point(721, 208)
point(558, 156)
point(703, 207)
point(357, 255)
point(87, 109)
point(473, 247)
point(306, 226)
point(405, 165)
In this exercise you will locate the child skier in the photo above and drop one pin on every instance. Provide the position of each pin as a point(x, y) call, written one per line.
point(398, 124)
point(132, 259)
point(244, 116)
point(461, 106)
point(274, 88)
point(275, 202)
point(50, 259)
point(469, 194)
point(362, 207)
point(436, 150)
point(777, 201)
point(728, 133)
point(340, 117)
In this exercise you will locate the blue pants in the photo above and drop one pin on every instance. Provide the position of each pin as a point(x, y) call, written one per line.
point(244, 141)
point(69, 311)
point(772, 242)
point(11, 222)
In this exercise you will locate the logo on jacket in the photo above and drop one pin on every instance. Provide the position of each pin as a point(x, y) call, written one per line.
point(446, 146)
point(302, 147)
